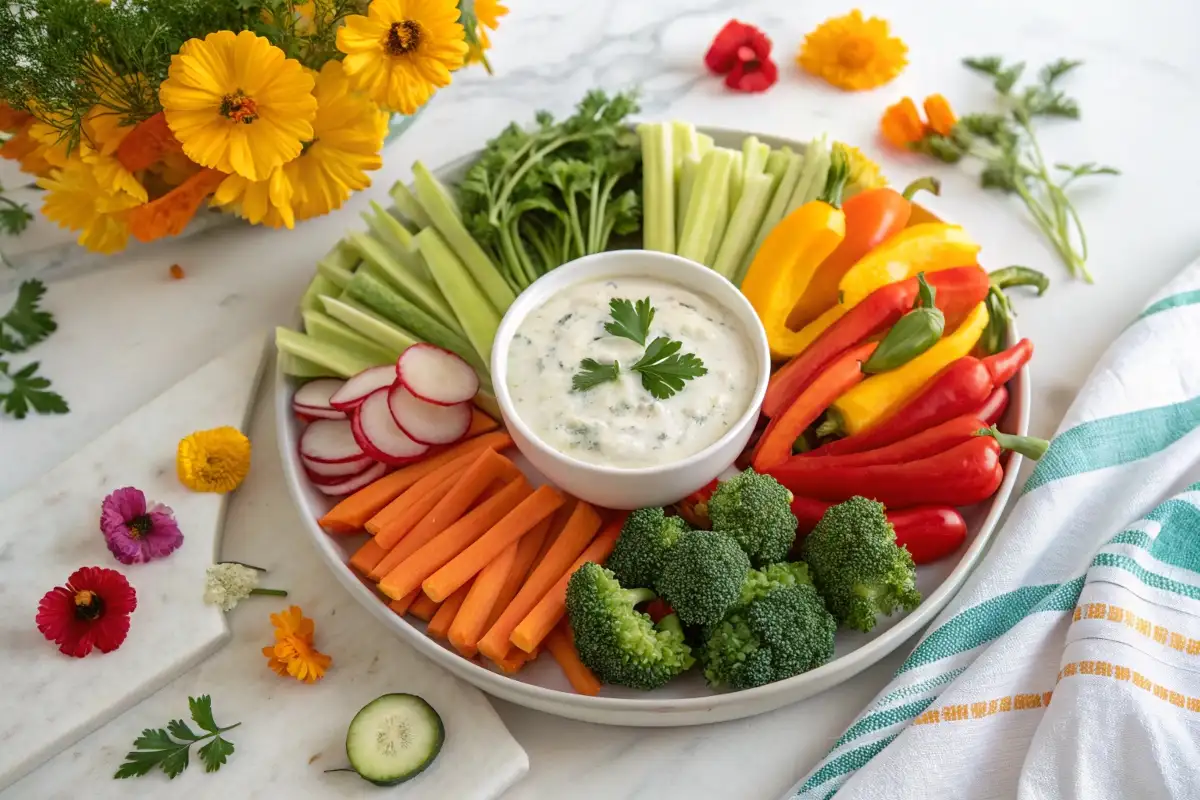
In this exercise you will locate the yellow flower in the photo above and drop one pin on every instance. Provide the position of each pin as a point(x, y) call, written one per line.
point(101, 136)
point(267, 202)
point(213, 461)
point(237, 104)
point(76, 198)
point(853, 53)
point(864, 173)
point(293, 652)
point(403, 50)
point(487, 15)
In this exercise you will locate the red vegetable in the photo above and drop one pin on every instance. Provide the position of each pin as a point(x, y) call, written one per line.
point(1004, 365)
point(775, 445)
point(928, 442)
point(994, 407)
point(929, 532)
point(958, 290)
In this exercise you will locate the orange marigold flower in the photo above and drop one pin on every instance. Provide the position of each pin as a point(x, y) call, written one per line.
point(169, 215)
point(11, 119)
point(901, 125)
point(853, 53)
point(940, 115)
point(293, 653)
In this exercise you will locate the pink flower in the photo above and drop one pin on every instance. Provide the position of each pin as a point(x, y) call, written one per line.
point(137, 532)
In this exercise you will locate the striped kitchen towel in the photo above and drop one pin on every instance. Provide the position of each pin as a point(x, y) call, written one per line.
point(1069, 664)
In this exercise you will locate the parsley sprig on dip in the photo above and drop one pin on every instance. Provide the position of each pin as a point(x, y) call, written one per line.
point(663, 369)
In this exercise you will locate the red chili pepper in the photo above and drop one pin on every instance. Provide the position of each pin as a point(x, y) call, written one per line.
point(994, 407)
point(694, 507)
point(775, 445)
point(1004, 365)
point(929, 532)
point(928, 442)
point(958, 290)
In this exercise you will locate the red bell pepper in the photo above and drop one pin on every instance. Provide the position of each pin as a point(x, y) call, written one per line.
point(694, 507)
point(775, 445)
point(929, 532)
point(958, 290)
point(994, 407)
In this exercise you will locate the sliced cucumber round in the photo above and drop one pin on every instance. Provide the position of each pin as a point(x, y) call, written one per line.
point(394, 738)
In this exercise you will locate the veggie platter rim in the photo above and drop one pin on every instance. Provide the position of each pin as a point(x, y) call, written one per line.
point(653, 710)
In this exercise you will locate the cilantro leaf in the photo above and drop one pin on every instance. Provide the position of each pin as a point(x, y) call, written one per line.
point(592, 373)
point(14, 217)
point(25, 324)
point(1056, 69)
point(988, 65)
point(201, 708)
point(214, 753)
point(630, 321)
point(26, 391)
point(156, 748)
point(664, 371)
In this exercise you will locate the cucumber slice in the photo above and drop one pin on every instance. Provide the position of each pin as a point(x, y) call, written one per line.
point(393, 739)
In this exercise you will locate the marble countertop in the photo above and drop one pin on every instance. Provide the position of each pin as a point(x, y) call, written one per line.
point(127, 331)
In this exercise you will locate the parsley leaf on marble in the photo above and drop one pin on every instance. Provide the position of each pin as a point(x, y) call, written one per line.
point(26, 324)
point(156, 748)
point(27, 390)
point(664, 370)
point(593, 373)
point(14, 216)
point(630, 321)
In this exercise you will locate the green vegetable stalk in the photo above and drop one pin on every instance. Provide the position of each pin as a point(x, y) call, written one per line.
point(913, 334)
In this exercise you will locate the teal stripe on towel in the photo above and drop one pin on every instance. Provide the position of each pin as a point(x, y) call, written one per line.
point(1167, 303)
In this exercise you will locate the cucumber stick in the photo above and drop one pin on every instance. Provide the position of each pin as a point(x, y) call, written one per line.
point(658, 182)
point(317, 287)
point(414, 287)
point(407, 205)
point(338, 276)
point(444, 214)
point(377, 295)
point(478, 317)
point(812, 178)
point(369, 324)
point(325, 328)
point(342, 255)
point(710, 189)
point(393, 738)
point(299, 367)
point(739, 235)
point(778, 206)
point(338, 360)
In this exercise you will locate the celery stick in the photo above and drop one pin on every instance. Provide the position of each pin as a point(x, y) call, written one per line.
point(342, 255)
point(736, 177)
point(778, 206)
point(325, 328)
point(683, 195)
point(812, 179)
point(711, 187)
point(369, 324)
point(299, 367)
point(777, 163)
point(422, 292)
point(658, 187)
point(684, 144)
point(392, 234)
point(379, 296)
point(754, 156)
point(338, 276)
point(320, 285)
point(340, 361)
point(756, 196)
point(704, 143)
point(445, 219)
point(720, 222)
point(478, 317)
point(406, 203)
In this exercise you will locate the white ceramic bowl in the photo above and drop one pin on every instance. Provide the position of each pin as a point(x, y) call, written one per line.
point(614, 487)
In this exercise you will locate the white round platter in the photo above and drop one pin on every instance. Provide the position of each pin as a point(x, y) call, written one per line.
point(686, 700)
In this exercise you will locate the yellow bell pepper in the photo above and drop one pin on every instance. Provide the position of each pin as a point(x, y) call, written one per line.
point(882, 395)
point(928, 247)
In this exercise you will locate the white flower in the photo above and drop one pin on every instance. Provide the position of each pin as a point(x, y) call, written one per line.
point(226, 585)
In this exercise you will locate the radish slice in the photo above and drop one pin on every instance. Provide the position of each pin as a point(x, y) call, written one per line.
point(316, 394)
point(428, 423)
point(436, 376)
point(339, 470)
point(329, 441)
point(309, 413)
point(352, 485)
point(380, 436)
point(356, 390)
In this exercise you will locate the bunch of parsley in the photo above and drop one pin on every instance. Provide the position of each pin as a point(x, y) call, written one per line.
point(22, 327)
point(1013, 160)
point(538, 198)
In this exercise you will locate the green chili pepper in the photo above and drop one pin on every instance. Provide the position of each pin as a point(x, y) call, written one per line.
point(1000, 310)
point(913, 334)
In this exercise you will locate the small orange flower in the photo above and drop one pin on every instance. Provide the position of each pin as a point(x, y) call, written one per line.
point(169, 215)
point(853, 53)
point(293, 654)
point(11, 119)
point(901, 125)
point(940, 115)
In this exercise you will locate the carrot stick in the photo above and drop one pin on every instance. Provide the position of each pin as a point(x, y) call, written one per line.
point(447, 611)
point(516, 524)
point(391, 534)
point(469, 623)
point(351, 513)
point(481, 423)
point(561, 645)
point(514, 662)
point(401, 606)
point(423, 608)
point(557, 523)
point(414, 565)
point(366, 557)
point(580, 529)
point(531, 546)
point(550, 609)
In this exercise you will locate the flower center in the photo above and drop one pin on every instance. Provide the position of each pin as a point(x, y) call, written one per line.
point(403, 37)
point(139, 526)
point(856, 53)
point(239, 107)
point(88, 605)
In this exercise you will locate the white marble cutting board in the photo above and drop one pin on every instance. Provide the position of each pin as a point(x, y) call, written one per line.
point(51, 528)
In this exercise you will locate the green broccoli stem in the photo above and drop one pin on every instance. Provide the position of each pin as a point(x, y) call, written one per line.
point(670, 624)
point(638, 596)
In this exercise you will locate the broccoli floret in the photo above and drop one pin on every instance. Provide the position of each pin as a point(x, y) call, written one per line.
point(783, 633)
point(618, 643)
point(858, 567)
point(702, 577)
point(761, 581)
point(637, 559)
point(756, 510)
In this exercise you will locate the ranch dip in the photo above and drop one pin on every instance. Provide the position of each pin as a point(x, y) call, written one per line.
point(619, 423)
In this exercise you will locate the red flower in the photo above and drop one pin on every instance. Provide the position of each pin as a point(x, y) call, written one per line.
point(742, 53)
point(92, 609)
